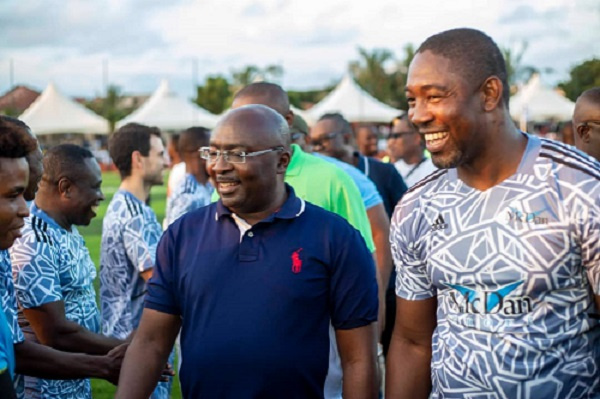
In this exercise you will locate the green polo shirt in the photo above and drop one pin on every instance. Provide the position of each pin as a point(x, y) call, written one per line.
point(326, 185)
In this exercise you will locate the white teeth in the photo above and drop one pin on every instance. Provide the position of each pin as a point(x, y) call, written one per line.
point(227, 184)
point(95, 208)
point(435, 136)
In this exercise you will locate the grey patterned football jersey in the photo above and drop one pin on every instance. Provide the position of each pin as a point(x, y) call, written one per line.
point(514, 269)
point(130, 234)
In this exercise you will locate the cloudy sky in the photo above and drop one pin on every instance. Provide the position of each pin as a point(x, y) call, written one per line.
point(142, 41)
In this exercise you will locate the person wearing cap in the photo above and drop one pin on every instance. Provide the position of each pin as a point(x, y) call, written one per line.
point(299, 132)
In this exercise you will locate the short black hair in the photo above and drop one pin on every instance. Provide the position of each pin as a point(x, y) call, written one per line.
point(270, 94)
point(475, 55)
point(64, 160)
point(339, 120)
point(15, 139)
point(192, 138)
point(129, 138)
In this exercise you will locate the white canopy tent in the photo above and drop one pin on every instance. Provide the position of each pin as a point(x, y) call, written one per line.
point(537, 103)
point(354, 104)
point(165, 110)
point(54, 113)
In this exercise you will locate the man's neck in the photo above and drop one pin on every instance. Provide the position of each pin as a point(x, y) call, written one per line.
point(52, 209)
point(136, 187)
point(414, 158)
point(200, 175)
point(497, 160)
point(253, 218)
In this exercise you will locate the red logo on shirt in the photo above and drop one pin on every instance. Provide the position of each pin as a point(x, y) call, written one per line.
point(296, 261)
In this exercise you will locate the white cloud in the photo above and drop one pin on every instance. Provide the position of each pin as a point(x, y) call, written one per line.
point(313, 39)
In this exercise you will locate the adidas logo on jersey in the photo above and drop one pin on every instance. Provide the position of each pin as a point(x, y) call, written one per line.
point(439, 223)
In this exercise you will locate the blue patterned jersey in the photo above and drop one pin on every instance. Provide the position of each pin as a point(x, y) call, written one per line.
point(514, 269)
point(52, 264)
point(187, 196)
point(8, 300)
point(130, 234)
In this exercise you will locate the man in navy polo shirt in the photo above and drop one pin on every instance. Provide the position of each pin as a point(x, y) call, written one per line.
point(254, 280)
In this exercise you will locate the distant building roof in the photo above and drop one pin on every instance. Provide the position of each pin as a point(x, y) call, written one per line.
point(18, 99)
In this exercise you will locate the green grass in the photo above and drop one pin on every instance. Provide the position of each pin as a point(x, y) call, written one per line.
point(92, 235)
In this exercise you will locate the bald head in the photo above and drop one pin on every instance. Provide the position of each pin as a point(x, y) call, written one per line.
point(586, 122)
point(256, 120)
point(269, 94)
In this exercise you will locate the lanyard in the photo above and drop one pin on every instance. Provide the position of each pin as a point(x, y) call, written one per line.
point(415, 167)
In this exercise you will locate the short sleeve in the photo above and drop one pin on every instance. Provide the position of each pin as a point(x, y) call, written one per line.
point(353, 295)
point(140, 238)
point(8, 298)
point(179, 205)
point(412, 279)
point(161, 288)
point(35, 271)
point(347, 202)
point(589, 228)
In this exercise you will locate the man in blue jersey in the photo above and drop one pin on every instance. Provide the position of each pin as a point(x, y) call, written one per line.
point(254, 280)
point(497, 252)
point(195, 190)
point(14, 175)
point(54, 274)
point(130, 231)
point(33, 358)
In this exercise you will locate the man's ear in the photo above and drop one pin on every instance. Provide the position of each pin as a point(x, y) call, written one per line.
point(284, 161)
point(289, 117)
point(65, 187)
point(136, 160)
point(583, 133)
point(491, 92)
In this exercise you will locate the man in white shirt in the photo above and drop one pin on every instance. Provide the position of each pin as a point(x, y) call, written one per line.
point(407, 150)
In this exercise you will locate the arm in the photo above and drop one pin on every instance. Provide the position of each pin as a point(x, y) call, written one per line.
point(52, 328)
point(380, 226)
point(358, 353)
point(44, 362)
point(408, 373)
point(151, 347)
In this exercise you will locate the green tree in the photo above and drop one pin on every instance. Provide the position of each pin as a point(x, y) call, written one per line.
point(516, 71)
point(398, 82)
point(582, 77)
point(110, 107)
point(370, 73)
point(214, 95)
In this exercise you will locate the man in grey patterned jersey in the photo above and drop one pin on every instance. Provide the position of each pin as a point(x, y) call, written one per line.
point(130, 232)
point(497, 252)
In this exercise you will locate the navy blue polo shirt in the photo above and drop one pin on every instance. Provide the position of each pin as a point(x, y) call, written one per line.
point(256, 311)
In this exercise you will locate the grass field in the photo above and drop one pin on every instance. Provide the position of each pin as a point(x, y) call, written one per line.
point(92, 234)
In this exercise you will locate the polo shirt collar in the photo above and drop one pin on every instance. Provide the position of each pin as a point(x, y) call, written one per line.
point(361, 161)
point(291, 208)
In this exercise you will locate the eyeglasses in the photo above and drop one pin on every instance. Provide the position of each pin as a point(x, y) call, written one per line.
point(318, 142)
point(399, 135)
point(585, 126)
point(233, 156)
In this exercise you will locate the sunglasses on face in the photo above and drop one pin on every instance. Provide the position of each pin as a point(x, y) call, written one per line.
point(318, 142)
point(399, 135)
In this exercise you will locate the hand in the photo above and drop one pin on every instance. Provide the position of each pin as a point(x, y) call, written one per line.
point(114, 360)
point(167, 373)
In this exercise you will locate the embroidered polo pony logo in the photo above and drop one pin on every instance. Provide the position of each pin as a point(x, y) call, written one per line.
point(296, 261)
